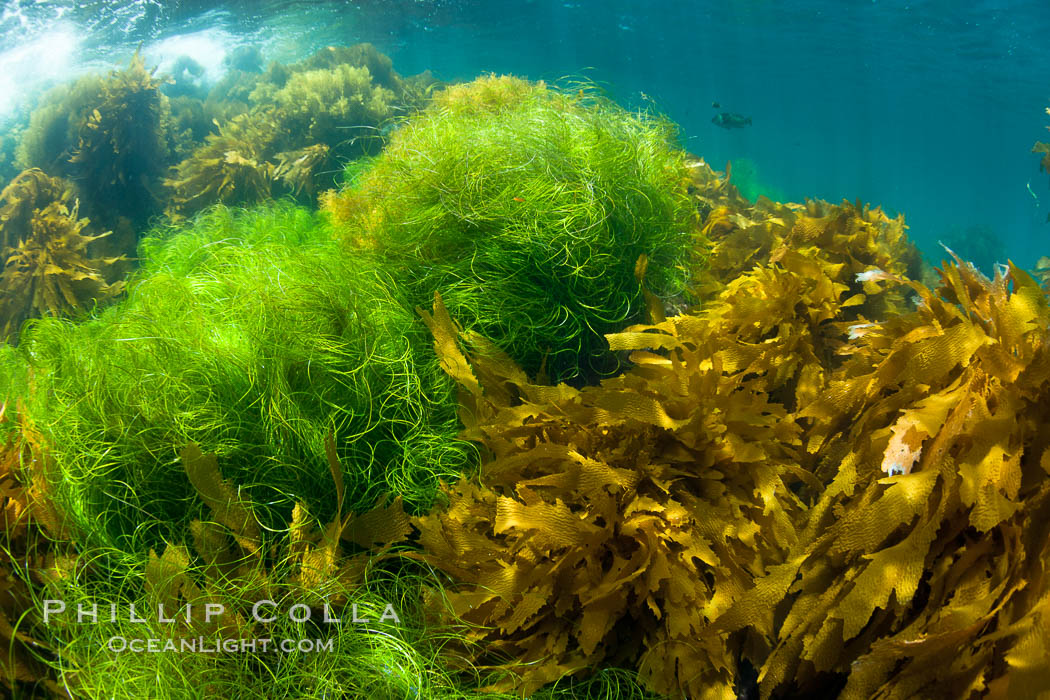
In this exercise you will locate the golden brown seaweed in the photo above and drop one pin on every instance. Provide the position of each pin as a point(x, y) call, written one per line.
point(110, 136)
point(300, 125)
point(231, 168)
point(616, 523)
point(50, 272)
point(830, 470)
point(30, 191)
point(29, 557)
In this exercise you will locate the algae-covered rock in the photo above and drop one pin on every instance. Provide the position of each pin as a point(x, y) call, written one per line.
point(530, 210)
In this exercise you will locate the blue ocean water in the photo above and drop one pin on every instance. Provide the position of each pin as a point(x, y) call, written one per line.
point(927, 108)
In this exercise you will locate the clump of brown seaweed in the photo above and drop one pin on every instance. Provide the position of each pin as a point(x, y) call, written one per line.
point(297, 128)
point(29, 557)
point(830, 470)
point(47, 266)
point(107, 134)
point(614, 524)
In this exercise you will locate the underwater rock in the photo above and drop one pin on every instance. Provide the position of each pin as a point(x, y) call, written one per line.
point(245, 58)
point(185, 79)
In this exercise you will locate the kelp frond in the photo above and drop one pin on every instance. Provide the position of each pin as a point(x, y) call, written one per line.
point(50, 272)
point(30, 191)
point(924, 551)
point(616, 523)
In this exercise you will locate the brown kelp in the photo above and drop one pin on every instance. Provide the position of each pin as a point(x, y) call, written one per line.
point(613, 524)
point(925, 550)
point(47, 267)
point(109, 135)
point(923, 431)
point(122, 149)
point(28, 557)
point(26, 194)
point(230, 167)
point(846, 489)
point(51, 137)
point(292, 129)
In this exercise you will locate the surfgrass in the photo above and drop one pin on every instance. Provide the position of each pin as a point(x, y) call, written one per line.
point(528, 209)
point(254, 336)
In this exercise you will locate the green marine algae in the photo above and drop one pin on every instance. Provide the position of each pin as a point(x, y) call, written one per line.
point(368, 628)
point(528, 209)
point(254, 336)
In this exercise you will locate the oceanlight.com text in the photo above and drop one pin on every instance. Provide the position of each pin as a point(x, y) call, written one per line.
point(201, 645)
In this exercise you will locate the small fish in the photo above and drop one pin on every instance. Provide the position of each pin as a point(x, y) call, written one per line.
point(859, 330)
point(731, 120)
point(874, 275)
point(716, 105)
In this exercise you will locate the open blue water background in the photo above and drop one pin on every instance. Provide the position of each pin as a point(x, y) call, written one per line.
point(928, 108)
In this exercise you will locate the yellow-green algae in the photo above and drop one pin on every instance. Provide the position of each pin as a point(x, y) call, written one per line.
point(527, 208)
